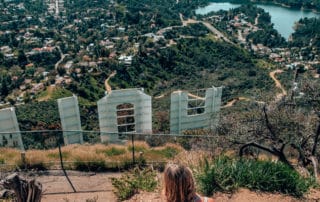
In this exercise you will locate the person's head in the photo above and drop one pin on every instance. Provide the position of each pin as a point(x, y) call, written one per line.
point(178, 183)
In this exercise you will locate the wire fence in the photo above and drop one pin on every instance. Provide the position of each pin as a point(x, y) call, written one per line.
point(133, 145)
point(45, 150)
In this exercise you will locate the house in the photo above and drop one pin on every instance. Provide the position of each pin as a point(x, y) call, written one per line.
point(68, 65)
point(106, 43)
point(5, 49)
point(154, 37)
point(90, 47)
point(127, 60)
point(9, 55)
point(23, 87)
point(121, 29)
point(37, 87)
point(47, 49)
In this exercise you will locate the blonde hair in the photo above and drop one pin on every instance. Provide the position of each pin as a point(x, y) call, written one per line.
point(178, 184)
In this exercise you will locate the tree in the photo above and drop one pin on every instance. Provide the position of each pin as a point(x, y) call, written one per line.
point(22, 58)
point(292, 124)
point(5, 84)
point(1, 58)
point(61, 71)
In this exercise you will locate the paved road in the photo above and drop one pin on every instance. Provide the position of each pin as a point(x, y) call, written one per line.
point(192, 21)
point(61, 59)
point(217, 32)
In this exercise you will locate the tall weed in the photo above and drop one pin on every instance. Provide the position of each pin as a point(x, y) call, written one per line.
point(226, 174)
point(132, 182)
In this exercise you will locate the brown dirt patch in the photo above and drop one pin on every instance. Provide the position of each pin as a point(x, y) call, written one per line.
point(98, 186)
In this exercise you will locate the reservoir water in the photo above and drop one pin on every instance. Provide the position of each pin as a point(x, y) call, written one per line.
point(283, 18)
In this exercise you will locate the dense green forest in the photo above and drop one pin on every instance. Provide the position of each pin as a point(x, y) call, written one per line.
point(194, 63)
point(307, 33)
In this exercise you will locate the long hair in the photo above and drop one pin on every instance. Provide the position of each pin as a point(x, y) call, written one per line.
point(179, 184)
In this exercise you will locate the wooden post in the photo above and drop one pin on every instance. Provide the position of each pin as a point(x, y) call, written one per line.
point(23, 160)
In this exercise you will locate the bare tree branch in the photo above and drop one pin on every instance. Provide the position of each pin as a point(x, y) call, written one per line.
point(274, 151)
point(268, 124)
point(259, 146)
point(316, 140)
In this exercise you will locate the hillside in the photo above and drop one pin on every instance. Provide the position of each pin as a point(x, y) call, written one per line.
point(161, 47)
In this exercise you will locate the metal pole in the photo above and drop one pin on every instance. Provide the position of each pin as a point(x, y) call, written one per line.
point(62, 167)
point(132, 141)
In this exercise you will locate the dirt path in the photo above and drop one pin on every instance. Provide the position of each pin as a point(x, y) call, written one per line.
point(50, 90)
point(240, 36)
point(106, 83)
point(160, 96)
point(98, 186)
point(256, 20)
point(242, 195)
point(232, 102)
point(278, 84)
point(188, 21)
point(88, 186)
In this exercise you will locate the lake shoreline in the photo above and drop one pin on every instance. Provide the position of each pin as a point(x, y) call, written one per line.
point(288, 6)
point(282, 17)
point(268, 3)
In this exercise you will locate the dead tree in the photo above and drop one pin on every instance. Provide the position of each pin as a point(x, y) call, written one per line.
point(25, 191)
point(290, 132)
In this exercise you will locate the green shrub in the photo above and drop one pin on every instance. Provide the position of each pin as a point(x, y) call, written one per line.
point(2, 160)
point(156, 141)
point(36, 166)
point(94, 199)
point(167, 152)
point(88, 166)
point(130, 183)
point(185, 143)
point(137, 148)
point(113, 151)
point(225, 174)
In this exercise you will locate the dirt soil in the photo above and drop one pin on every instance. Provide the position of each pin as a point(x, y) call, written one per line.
point(98, 187)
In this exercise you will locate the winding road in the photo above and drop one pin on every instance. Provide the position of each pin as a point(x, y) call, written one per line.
point(106, 83)
point(278, 97)
point(62, 56)
point(192, 21)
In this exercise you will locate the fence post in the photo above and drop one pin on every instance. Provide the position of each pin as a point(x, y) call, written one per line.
point(23, 159)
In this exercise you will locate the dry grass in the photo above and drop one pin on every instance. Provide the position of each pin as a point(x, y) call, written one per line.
point(9, 156)
point(35, 158)
point(99, 153)
point(191, 158)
